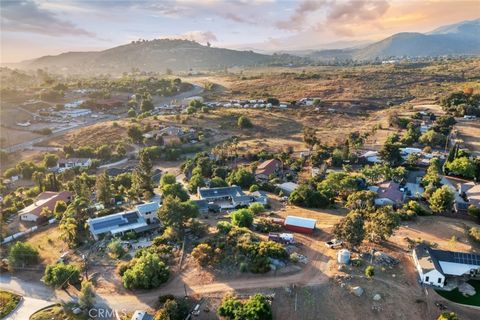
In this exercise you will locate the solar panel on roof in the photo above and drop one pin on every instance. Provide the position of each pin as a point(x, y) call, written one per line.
point(107, 223)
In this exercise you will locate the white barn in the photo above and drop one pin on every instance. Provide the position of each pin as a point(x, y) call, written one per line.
point(435, 266)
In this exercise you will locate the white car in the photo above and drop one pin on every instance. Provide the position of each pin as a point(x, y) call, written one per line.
point(334, 243)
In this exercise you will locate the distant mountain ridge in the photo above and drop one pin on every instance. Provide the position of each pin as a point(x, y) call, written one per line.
point(457, 39)
point(183, 55)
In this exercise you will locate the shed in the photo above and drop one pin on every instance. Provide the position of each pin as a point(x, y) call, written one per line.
point(299, 224)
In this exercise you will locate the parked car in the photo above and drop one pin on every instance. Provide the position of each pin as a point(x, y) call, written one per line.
point(334, 243)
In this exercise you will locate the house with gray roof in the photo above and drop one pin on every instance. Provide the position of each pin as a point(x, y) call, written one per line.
point(435, 266)
point(225, 197)
point(142, 218)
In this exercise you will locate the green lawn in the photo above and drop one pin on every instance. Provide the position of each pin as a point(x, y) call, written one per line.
point(8, 302)
point(55, 312)
point(457, 297)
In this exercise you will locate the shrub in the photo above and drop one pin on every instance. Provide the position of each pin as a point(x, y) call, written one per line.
point(254, 187)
point(242, 218)
point(474, 233)
point(146, 272)
point(115, 248)
point(244, 122)
point(22, 254)
point(370, 271)
point(203, 254)
point(474, 211)
point(224, 227)
point(256, 208)
point(60, 275)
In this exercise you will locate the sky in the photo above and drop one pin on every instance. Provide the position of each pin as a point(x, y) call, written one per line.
point(33, 28)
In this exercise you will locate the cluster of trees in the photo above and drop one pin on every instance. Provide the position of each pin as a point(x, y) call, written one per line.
point(367, 222)
point(460, 163)
point(462, 103)
point(320, 194)
point(256, 307)
point(145, 271)
point(234, 245)
point(103, 152)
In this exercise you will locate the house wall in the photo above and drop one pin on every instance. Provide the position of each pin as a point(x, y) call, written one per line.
point(298, 229)
point(28, 217)
point(433, 277)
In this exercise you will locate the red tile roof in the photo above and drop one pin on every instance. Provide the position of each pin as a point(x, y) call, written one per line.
point(268, 167)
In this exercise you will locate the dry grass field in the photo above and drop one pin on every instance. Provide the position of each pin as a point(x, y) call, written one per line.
point(362, 87)
point(469, 133)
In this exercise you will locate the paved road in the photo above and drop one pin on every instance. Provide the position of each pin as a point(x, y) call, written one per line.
point(27, 307)
point(158, 101)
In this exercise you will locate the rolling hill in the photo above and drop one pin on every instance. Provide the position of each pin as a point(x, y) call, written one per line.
point(156, 55)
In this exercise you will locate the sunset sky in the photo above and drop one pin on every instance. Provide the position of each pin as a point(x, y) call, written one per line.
point(30, 29)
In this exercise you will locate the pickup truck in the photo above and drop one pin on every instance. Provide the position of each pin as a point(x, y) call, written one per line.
point(334, 243)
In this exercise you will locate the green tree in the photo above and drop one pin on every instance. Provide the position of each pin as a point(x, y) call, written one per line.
point(310, 137)
point(103, 189)
point(242, 178)
point(244, 122)
point(242, 218)
point(146, 272)
point(167, 179)
point(433, 138)
point(432, 176)
point(172, 309)
point(59, 210)
point(146, 105)
point(69, 231)
point(350, 229)
point(115, 248)
point(390, 154)
point(256, 208)
point(442, 200)
point(196, 181)
point(174, 213)
point(86, 298)
point(381, 224)
point(230, 307)
point(217, 182)
point(175, 190)
point(257, 307)
point(304, 196)
point(61, 275)
point(50, 160)
point(141, 177)
point(135, 133)
point(463, 166)
point(361, 200)
point(132, 113)
point(22, 254)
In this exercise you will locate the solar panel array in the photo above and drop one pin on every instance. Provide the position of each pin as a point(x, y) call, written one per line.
point(108, 223)
point(466, 258)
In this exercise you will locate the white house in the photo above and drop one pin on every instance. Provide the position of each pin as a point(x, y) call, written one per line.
point(141, 219)
point(64, 164)
point(435, 266)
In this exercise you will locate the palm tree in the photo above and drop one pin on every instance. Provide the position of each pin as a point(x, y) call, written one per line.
point(68, 227)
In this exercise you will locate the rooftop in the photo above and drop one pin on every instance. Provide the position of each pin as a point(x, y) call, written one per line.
point(233, 191)
point(301, 222)
point(430, 259)
point(117, 222)
point(148, 207)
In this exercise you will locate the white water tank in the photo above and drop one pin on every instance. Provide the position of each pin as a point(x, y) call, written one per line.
point(343, 256)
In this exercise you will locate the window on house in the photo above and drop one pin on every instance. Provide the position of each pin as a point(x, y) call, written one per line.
point(427, 278)
point(439, 280)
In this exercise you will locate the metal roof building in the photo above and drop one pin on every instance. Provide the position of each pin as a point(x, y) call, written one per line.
point(299, 224)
